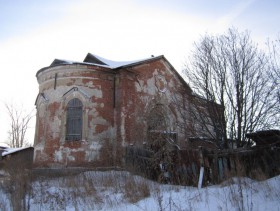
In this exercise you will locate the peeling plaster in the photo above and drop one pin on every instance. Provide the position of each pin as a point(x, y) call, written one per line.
point(99, 120)
point(58, 156)
point(42, 110)
point(138, 90)
point(93, 153)
point(150, 88)
point(55, 127)
point(97, 93)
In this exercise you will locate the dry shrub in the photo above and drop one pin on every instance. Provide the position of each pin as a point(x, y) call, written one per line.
point(87, 185)
point(158, 197)
point(258, 174)
point(239, 168)
point(111, 154)
point(108, 181)
point(19, 182)
point(106, 156)
point(135, 190)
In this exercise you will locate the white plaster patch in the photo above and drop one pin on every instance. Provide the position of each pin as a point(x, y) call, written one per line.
point(93, 152)
point(97, 93)
point(99, 120)
point(150, 88)
point(55, 95)
point(58, 156)
point(89, 84)
point(161, 83)
point(39, 147)
point(55, 127)
point(91, 156)
point(70, 158)
point(41, 111)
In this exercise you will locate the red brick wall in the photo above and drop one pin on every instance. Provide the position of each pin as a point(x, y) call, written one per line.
point(117, 105)
point(139, 92)
point(51, 148)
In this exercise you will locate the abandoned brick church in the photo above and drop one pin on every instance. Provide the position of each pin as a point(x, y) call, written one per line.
point(87, 112)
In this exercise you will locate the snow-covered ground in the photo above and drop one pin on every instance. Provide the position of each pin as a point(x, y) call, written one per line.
point(119, 190)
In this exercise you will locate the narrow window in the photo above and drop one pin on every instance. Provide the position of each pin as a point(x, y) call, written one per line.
point(74, 120)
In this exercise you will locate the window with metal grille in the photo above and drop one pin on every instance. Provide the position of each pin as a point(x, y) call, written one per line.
point(74, 120)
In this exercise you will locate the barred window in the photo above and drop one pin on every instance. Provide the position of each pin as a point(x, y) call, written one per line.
point(74, 120)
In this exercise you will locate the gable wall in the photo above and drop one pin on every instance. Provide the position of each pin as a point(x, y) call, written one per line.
point(141, 89)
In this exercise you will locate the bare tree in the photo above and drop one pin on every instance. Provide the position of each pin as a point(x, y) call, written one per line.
point(274, 53)
point(195, 115)
point(19, 122)
point(231, 71)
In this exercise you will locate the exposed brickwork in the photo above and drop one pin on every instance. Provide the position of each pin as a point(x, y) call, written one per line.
point(116, 106)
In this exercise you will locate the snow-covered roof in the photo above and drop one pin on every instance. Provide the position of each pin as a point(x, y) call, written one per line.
point(92, 59)
point(9, 151)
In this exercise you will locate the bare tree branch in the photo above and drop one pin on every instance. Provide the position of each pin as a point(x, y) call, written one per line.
point(231, 71)
point(19, 122)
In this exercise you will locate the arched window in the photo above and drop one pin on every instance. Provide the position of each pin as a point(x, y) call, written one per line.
point(157, 119)
point(74, 120)
point(159, 128)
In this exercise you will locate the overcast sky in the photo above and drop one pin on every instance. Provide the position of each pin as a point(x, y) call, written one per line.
point(33, 33)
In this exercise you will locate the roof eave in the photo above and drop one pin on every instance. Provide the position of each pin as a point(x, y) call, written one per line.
point(139, 62)
point(156, 58)
point(74, 63)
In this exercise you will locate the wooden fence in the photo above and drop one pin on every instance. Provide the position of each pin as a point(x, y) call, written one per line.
point(183, 166)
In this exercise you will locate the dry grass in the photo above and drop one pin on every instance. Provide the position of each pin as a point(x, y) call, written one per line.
point(110, 190)
point(135, 190)
point(90, 188)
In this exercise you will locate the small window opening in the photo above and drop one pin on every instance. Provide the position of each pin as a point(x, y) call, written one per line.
point(74, 120)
